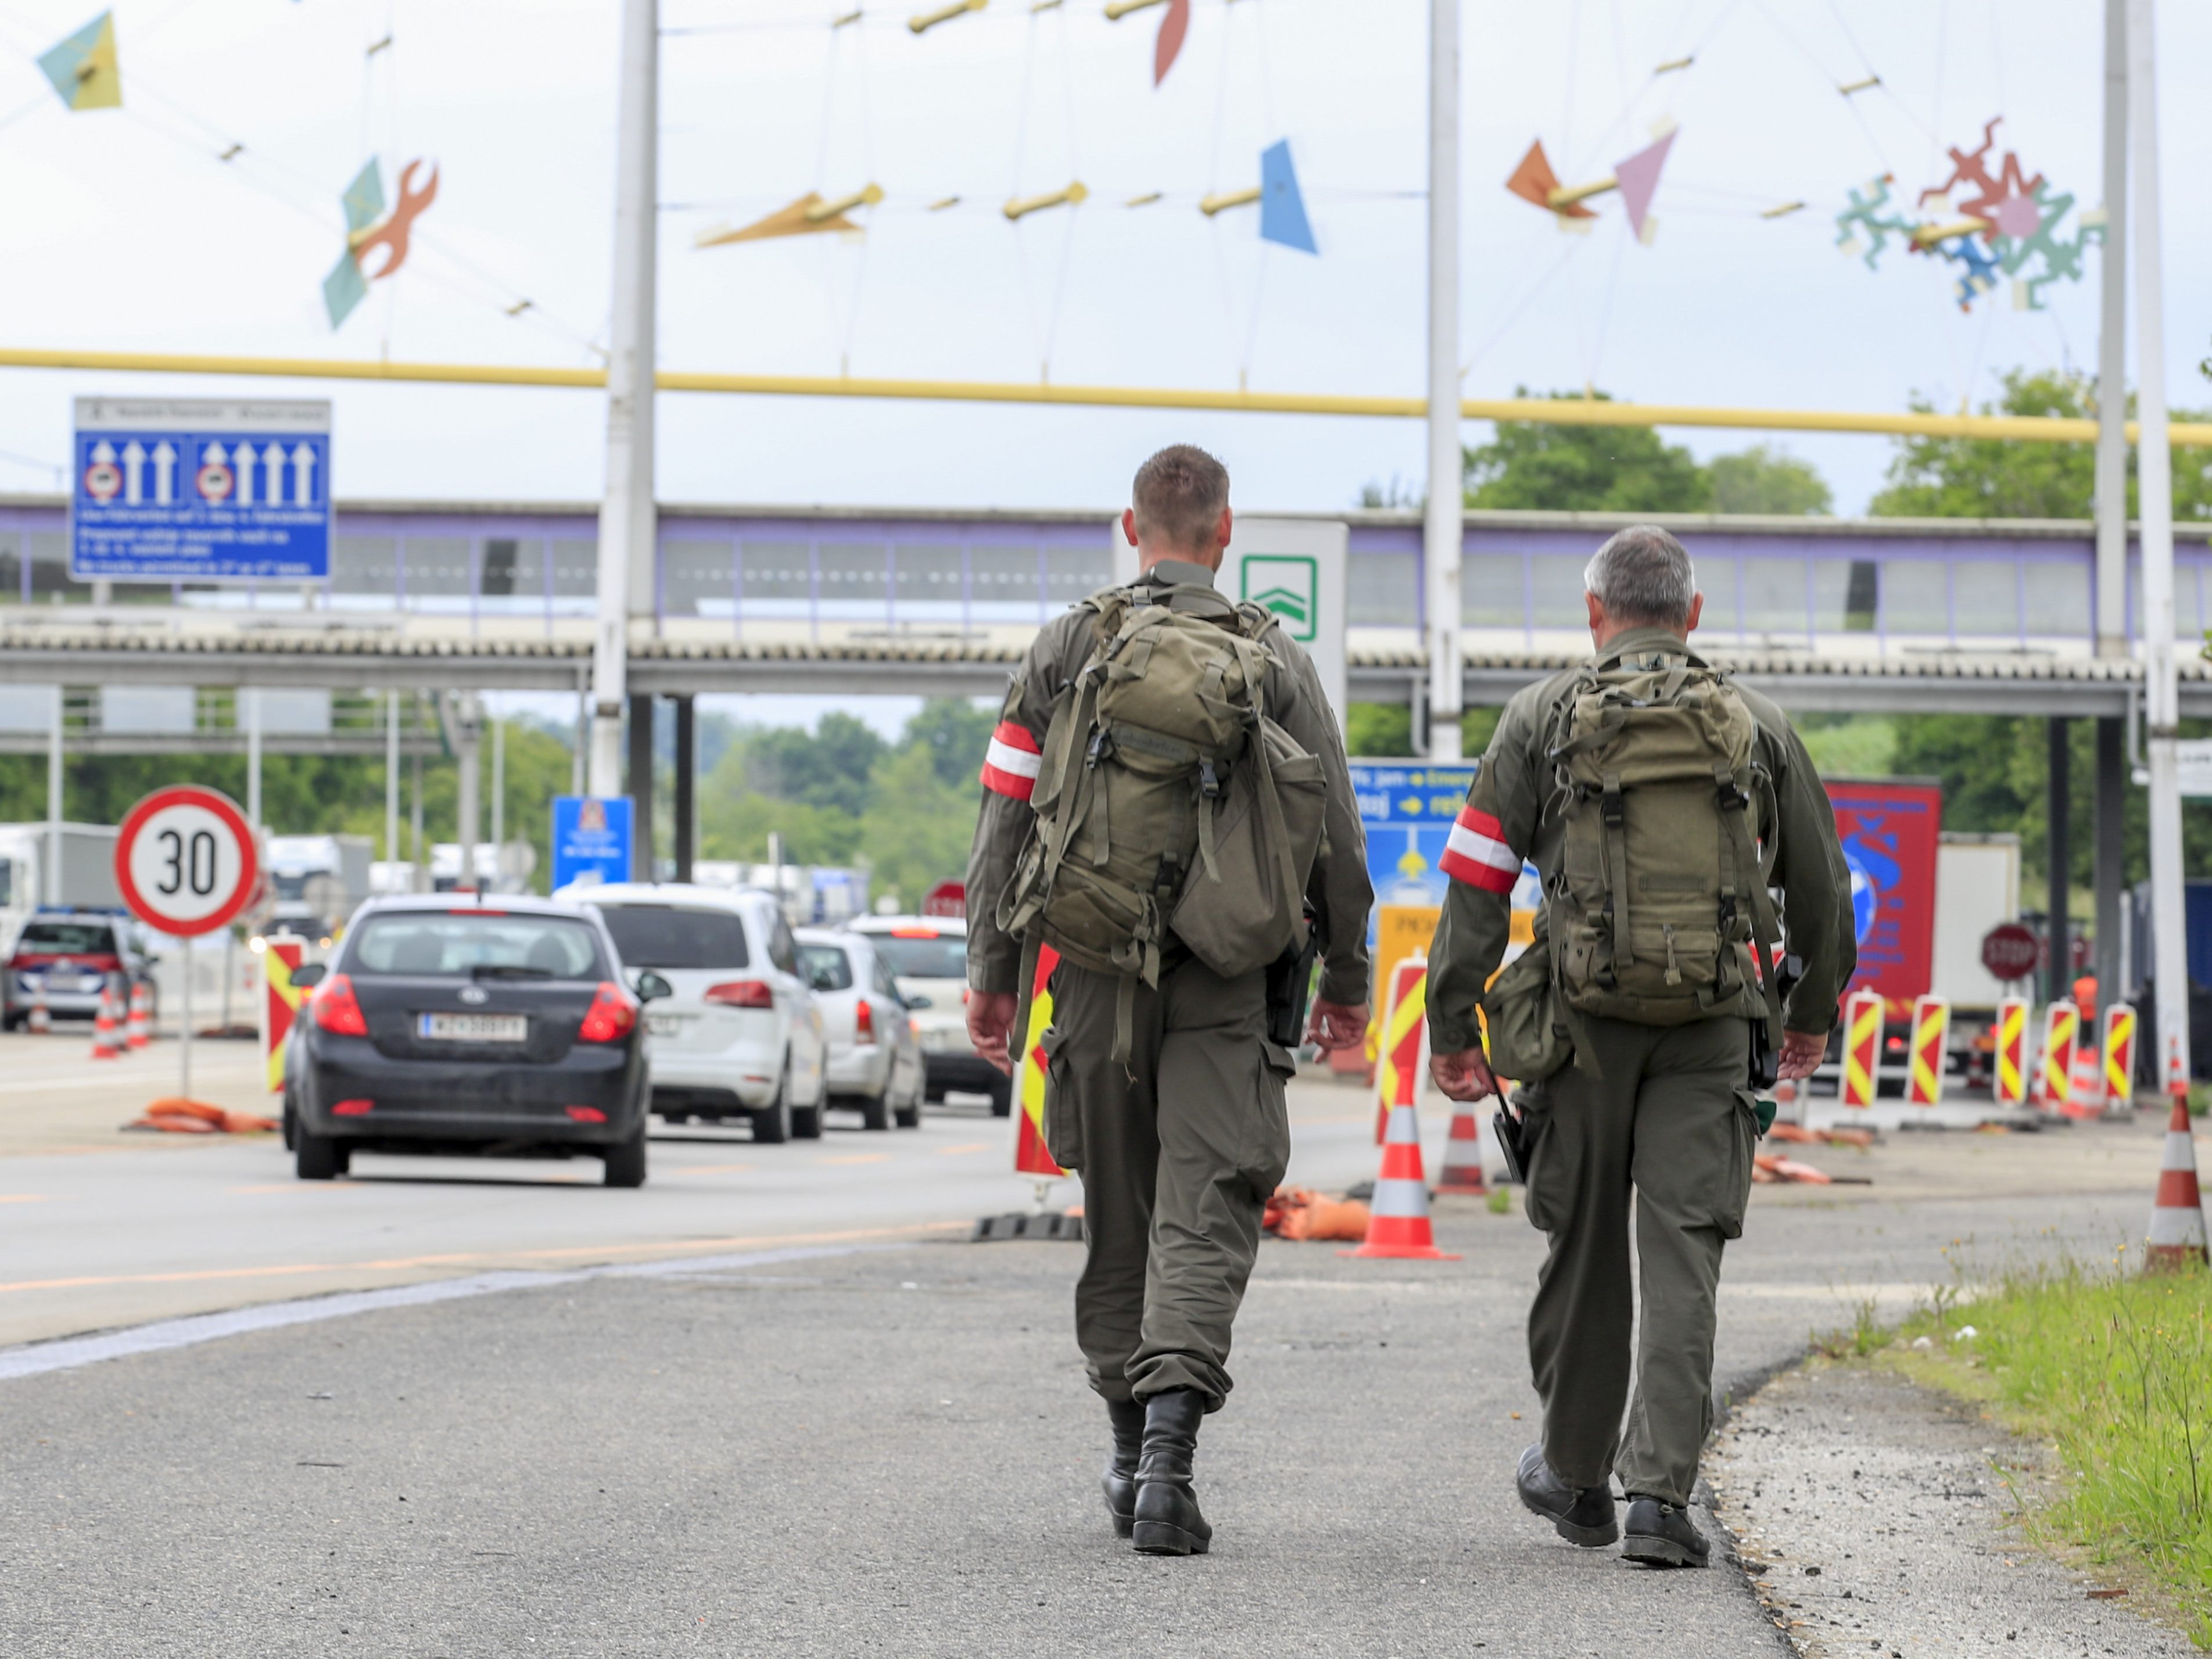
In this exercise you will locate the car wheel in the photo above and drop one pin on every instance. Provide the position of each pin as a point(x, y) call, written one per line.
point(626, 1161)
point(772, 1124)
point(319, 1157)
point(876, 1110)
point(806, 1121)
point(291, 1126)
point(1002, 1097)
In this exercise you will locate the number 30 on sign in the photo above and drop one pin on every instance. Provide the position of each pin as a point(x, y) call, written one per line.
point(185, 860)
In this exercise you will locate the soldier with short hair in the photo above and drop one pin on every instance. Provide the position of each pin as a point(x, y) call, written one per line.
point(1165, 802)
point(1662, 806)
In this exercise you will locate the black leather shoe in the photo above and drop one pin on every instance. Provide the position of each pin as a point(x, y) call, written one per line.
point(1167, 1518)
point(1662, 1535)
point(1119, 1479)
point(1581, 1515)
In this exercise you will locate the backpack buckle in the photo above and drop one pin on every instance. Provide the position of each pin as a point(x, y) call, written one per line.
point(1096, 751)
point(1614, 810)
point(1209, 783)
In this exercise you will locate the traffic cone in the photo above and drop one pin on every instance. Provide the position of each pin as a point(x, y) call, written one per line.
point(1462, 1174)
point(42, 1019)
point(104, 1045)
point(2177, 1081)
point(2177, 1215)
point(134, 1029)
point(2085, 1089)
point(1399, 1226)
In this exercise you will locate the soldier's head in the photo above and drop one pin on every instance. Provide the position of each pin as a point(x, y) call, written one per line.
point(1641, 578)
point(1179, 509)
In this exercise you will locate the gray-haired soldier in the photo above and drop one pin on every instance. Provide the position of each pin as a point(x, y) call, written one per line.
point(1662, 806)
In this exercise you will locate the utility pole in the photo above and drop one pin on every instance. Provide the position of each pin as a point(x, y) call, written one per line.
point(391, 784)
point(54, 781)
point(627, 518)
point(2154, 476)
point(1443, 527)
point(2111, 606)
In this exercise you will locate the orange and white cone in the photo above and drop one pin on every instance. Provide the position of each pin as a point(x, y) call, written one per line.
point(1399, 1212)
point(2177, 1215)
point(1462, 1174)
point(104, 1045)
point(134, 1028)
point(2085, 1089)
point(2177, 1081)
point(42, 1019)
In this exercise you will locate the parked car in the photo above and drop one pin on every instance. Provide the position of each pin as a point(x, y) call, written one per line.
point(874, 1062)
point(445, 1027)
point(739, 1036)
point(76, 952)
point(928, 959)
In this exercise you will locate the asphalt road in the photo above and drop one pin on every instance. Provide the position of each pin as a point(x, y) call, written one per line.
point(887, 1446)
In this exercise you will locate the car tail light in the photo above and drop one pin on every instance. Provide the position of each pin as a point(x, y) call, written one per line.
point(586, 1114)
point(338, 1011)
point(353, 1108)
point(913, 933)
point(611, 1017)
point(741, 993)
point(864, 1023)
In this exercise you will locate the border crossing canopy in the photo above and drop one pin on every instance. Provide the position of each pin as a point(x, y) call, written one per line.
point(201, 489)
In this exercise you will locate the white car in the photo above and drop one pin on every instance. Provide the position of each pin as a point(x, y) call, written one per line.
point(928, 959)
point(875, 1059)
point(742, 1036)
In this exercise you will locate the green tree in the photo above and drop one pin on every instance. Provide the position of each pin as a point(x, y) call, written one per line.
point(827, 767)
point(1764, 480)
point(957, 734)
point(918, 830)
point(1529, 465)
point(1992, 478)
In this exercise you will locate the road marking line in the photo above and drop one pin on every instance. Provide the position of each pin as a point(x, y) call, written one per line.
point(858, 1157)
point(668, 1247)
point(34, 1359)
point(959, 1152)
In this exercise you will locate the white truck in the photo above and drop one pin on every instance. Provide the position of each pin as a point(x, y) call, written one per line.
point(26, 864)
point(316, 881)
point(1976, 888)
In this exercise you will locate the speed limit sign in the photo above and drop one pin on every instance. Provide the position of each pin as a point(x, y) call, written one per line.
point(185, 860)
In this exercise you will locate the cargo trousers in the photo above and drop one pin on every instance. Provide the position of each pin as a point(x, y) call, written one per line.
point(1673, 1121)
point(1179, 1147)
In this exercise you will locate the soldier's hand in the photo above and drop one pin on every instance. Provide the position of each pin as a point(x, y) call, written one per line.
point(1337, 1025)
point(990, 1019)
point(1801, 1052)
point(1463, 1076)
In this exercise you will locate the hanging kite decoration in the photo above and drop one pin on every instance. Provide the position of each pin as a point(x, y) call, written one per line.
point(809, 215)
point(1282, 205)
point(1173, 28)
point(84, 67)
point(369, 227)
point(1636, 179)
point(2009, 226)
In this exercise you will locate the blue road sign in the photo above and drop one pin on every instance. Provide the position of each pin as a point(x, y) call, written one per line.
point(1406, 808)
point(201, 489)
point(591, 840)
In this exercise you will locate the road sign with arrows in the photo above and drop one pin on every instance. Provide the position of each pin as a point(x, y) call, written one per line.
point(201, 489)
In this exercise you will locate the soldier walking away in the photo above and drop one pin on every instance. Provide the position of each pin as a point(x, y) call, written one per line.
point(1662, 806)
point(1166, 805)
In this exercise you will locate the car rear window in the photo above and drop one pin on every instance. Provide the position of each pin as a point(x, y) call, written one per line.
point(828, 968)
point(460, 942)
point(919, 956)
point(71, 938)
point(662, 936)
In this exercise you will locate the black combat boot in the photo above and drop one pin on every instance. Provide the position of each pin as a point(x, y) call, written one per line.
point(1660, 1534)
point(1167, 1518)
point(1581, 1515)
point(1119, 1479)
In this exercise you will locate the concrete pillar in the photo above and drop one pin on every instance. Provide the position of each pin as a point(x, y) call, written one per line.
point(2112, 853)
point(687, 768)
point(2058, 803)
point(640, 788)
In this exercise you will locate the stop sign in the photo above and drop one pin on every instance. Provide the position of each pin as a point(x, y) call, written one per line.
point(2010, 951)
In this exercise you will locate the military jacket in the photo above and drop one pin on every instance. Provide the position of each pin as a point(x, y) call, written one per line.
point(1338, 889)
point(1513, 812)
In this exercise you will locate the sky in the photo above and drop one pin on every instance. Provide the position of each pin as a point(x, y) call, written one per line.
point(123, 229)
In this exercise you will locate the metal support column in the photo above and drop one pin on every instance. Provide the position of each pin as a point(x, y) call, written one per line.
point(466, 731)
point(54, 784)
point(2058, 812)
point(2111, 490)
point(642, 861)
point(687, 768)
point(2112, 852)
point(251, 697)
point(391, 779)
point(1443, 523)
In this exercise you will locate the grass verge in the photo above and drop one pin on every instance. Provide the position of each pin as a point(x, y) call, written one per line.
point(2115, 1370)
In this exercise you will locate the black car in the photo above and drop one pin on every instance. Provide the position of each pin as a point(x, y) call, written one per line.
point(439, 1026)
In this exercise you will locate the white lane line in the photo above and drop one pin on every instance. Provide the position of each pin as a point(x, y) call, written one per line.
point(34, 1359)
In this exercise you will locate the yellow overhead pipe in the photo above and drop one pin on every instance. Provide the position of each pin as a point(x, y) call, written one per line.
point(1222, 201)
point(866, 196)
point(922, 23)
point(1021, 207)
point(1560, 196)
point(1543, 412)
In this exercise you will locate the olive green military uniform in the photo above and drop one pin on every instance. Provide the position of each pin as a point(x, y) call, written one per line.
point(1669, 1119)
point(1179, 1146)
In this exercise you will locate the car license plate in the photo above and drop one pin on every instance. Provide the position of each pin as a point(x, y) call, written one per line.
point(667, 1025)
point(472, 1028)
